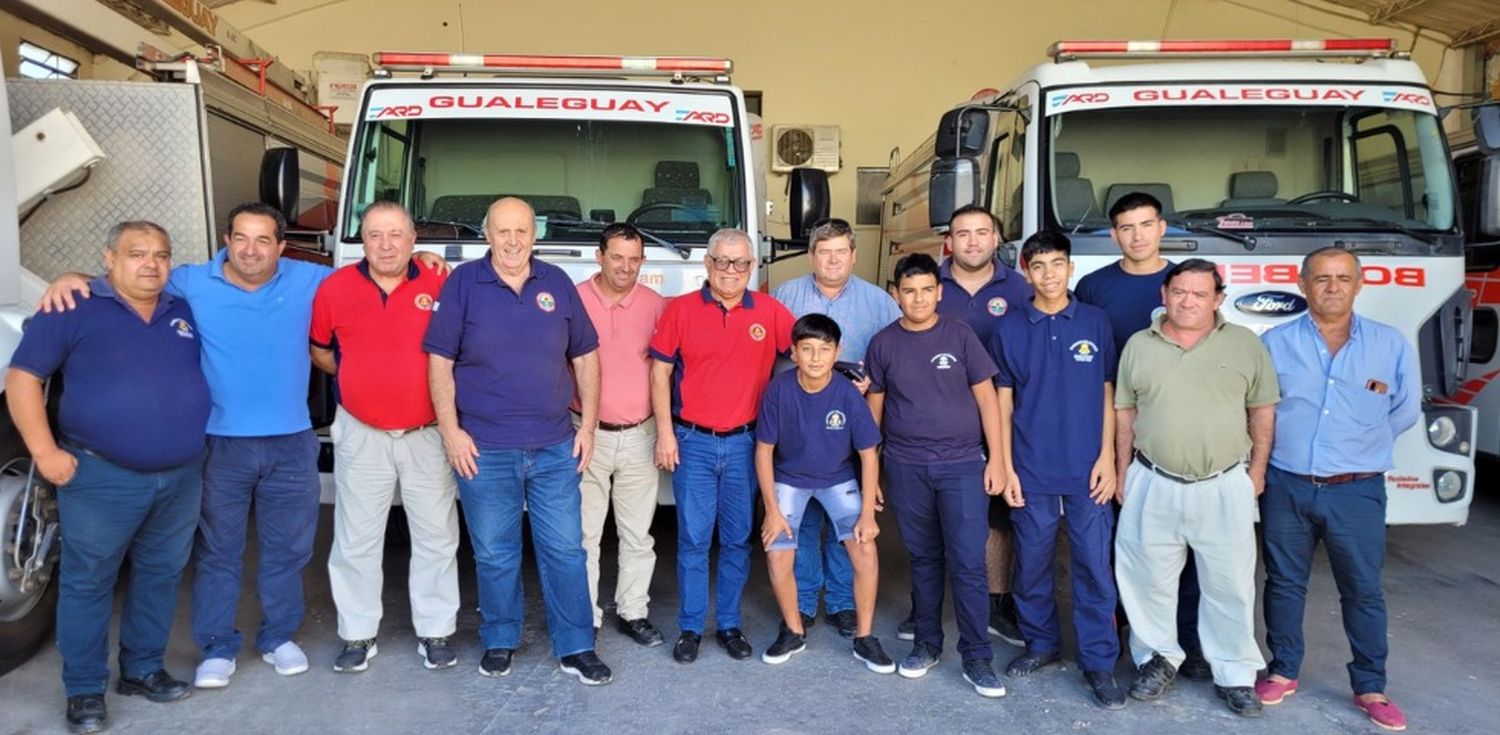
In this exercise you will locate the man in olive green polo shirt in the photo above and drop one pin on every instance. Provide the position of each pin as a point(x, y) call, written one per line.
point(1191, 466)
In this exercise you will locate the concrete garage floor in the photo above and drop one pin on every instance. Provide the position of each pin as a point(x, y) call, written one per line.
point(1441, 584)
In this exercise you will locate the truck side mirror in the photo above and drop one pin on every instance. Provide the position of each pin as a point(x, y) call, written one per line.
point(954, 183)
point(1489, 196)
point(280, 180)
point(1487, 128)
point(807, 200)
point(962, 132)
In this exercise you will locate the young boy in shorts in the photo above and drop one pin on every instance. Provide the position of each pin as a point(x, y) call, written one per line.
point(812, 424)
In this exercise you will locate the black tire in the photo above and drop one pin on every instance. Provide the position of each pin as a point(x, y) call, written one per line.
point(20, 639)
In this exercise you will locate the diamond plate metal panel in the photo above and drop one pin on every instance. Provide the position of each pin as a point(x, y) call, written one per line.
point(151, 133)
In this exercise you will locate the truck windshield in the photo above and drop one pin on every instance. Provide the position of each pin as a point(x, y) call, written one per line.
point(1256, 169)
point(678, 182)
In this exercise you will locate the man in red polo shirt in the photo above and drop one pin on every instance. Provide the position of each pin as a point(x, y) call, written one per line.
point(714, 351)
point(374, 314)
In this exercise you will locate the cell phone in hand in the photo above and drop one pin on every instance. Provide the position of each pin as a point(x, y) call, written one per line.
point(851, 370)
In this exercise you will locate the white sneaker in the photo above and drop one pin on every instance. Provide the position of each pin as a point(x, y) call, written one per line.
point(214, 673)
point(288, 659)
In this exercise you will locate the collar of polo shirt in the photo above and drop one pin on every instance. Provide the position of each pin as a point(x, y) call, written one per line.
point(746, 302)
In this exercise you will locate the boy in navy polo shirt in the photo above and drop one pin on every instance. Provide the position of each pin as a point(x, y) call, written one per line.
point(812, 423)
point(1056, 363)
point(930, 391)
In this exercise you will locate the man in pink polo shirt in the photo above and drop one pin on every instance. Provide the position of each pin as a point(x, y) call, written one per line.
point(624, 314)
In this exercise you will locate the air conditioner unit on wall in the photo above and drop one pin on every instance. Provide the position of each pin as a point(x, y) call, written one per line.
point(804, 146)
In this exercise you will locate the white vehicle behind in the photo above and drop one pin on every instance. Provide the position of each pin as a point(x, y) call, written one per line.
point(1257, 161)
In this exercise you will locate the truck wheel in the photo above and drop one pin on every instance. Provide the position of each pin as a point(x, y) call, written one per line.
point(26, 616)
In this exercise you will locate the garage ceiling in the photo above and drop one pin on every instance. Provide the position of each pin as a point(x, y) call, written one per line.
point(1462, 21)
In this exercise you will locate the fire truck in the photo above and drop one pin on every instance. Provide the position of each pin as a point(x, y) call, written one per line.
point(662, 143)
point(1475, 165)
point(1260, 152)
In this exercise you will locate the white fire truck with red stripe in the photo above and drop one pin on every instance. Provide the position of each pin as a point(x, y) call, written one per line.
point(1259, 154)
point(663, 143)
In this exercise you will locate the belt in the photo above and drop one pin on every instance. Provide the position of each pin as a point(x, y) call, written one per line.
point(1148, 464)
point(1336, 479)
point(714, 432)
point(398, 433)
point(607, 426)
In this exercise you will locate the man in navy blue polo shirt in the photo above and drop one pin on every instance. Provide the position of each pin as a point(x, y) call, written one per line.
point(1129, 291)
point(128, 465)
point(981, 290)
point(713, 353)
point(255, 310)
point(503, 336)
point(1057, 428)
point(930, 392)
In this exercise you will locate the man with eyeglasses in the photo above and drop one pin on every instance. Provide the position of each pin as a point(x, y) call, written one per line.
point(1195, 409)
point(713, 354)
point(860, 309)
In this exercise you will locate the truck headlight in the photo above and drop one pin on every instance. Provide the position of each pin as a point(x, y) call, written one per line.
point(1448, 485)
point(1441, 432)
point(1449, 428)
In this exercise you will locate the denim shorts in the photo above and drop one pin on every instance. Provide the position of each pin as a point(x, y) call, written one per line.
point(842, 503)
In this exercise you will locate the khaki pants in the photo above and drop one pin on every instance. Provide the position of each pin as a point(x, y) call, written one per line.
point(368, 465)
point(622, 475)
point(1160, 520)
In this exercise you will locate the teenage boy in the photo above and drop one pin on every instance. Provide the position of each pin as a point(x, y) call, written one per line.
point(812, 423)
point(930, 386)
point(1056, 359)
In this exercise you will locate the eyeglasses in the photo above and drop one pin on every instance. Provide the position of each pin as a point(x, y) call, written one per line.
point(741, 265)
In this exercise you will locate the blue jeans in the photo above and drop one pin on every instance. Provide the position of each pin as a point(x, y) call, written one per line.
point(107, 512)
point(714, 482)
point(816, 567)
point(545, 483)
point(943, 514)
point(1093, 580)
point(1349, 519)
point(279, 476)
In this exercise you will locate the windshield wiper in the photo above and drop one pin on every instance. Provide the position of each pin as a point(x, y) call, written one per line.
point(652, 236)
point(1249, 241)
point(471, 229)
point(1427, 238)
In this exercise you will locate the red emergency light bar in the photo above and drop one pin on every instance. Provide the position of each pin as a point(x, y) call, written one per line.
point(572, 64)
point(1359, 47)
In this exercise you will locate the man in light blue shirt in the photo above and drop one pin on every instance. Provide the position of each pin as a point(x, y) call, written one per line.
point(1349, 387)
point(861, 309)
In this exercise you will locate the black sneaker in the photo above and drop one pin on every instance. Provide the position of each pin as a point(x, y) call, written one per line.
point(787, 643)
point(587, 667)
point(867, 649)
point(496, 661)
point(355, 656)
point(86, 713)
point(907, 630)
point(1106, 691)
point(916, 663)
point(844, 620)
point(807, 620)
point(735, 643)
point(1241, 700)
point(1153, 679)
point(1195, 667)
point(685, 651)
point(980, 673)
point(641, 631)
point(157, 686)
point(1029, 663)
point(1003, 623)
point(436, 653)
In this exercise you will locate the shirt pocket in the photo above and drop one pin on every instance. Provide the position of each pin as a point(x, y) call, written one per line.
point(1361, 405)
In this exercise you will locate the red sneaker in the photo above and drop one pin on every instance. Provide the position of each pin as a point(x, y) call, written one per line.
point(1271, 691)
point(1382, 712)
